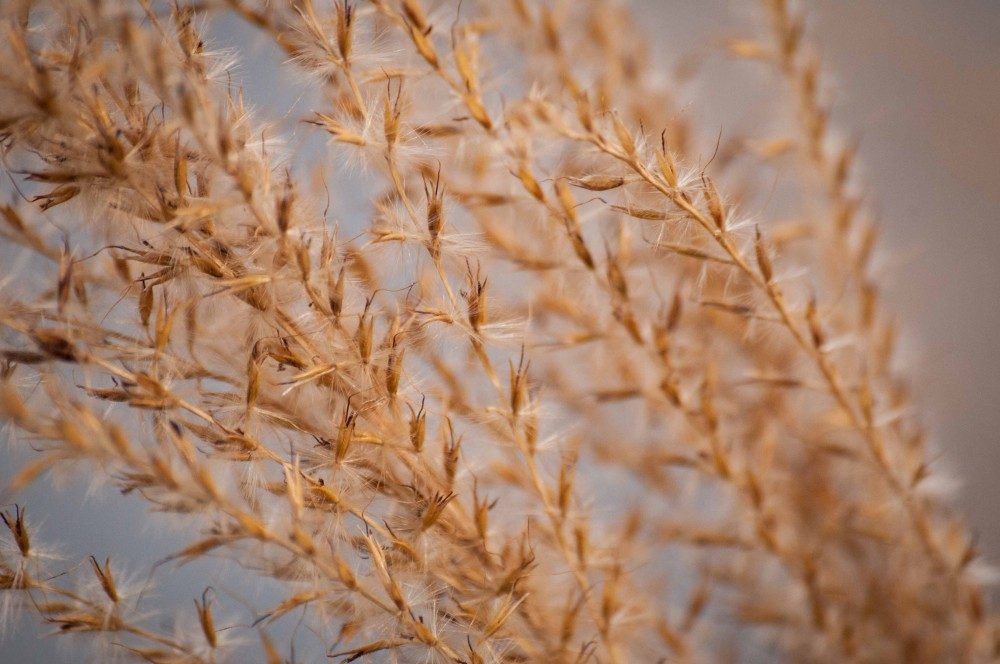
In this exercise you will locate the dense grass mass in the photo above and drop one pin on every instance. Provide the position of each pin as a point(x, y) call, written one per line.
point(503, 370)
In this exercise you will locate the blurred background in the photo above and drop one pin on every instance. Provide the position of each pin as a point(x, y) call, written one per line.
point(922, 83)
point(918, 82)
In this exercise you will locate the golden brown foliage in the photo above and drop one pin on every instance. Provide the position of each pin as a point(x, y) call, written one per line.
point(547, 394)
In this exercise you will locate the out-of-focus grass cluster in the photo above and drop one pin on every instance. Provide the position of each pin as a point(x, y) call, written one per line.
point(549, 394)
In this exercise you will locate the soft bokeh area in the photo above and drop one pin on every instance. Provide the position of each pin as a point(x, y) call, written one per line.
point(919, 84)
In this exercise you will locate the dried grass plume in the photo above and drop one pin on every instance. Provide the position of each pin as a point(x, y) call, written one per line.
point(468, 355)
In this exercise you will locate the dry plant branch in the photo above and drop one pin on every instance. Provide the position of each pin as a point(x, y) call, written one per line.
point(500, 377)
